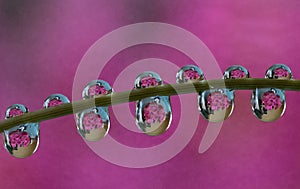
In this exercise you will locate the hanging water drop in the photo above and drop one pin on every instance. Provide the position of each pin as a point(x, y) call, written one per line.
point(216, 105)
point(93, 124)
point(268, 104)
point(55, 100)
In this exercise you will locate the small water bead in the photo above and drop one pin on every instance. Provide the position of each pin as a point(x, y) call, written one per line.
point(153, 114)
point(147, 79)
point(21, 141)
point(216, 105)
point(268, 104)
point(93, 124)
point(279, 71)
point(236, 72)
point(96, 87)
point(189, 73)
point(55, 100)
point(15, 110)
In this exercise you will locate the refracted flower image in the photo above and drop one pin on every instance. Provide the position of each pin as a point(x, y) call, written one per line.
point(218, 101)
point(271, 101)
point(237, 74)
point(154, 113)
point(19, 139)
point(91, 121)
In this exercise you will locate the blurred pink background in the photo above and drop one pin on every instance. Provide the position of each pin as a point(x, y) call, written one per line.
point(43, 42)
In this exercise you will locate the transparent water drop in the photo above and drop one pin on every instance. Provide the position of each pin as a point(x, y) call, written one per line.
point(23, 140)
point(216, 105)
point(268, 104)
point(93, 124)
point(236, 72)
point(279, 71)
point(55, 100)
point(189, 73)
point(96, 87)
point(153, 114)
point(147, 79)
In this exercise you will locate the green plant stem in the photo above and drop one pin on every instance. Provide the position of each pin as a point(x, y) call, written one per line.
point(134, 95)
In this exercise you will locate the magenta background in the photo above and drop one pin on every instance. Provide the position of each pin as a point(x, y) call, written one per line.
point(43, 42)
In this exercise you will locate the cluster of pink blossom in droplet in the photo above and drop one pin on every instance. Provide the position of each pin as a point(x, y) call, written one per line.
point(237, 74)
point(280, 72)
point(54, 102)
point(15, 112)
point(91, 121)
point(271, 101)
point(218, 101)
point(96, 90)
point(148, 82)
point(191, 75)
point(19, 139)
point(153, 113)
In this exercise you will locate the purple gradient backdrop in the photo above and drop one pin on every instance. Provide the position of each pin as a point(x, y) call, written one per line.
point(43, 42)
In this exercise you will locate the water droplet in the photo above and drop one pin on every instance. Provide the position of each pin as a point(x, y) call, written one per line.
point(153, 114)
point(96, 87)
point(189, 73)
point(279, 71)
point(21, 141)
point(15, 110)
point(236, 72)
point(268, 104)
point(147, 79)
point(55, 100)
point(93, 124)
point(216, 105)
